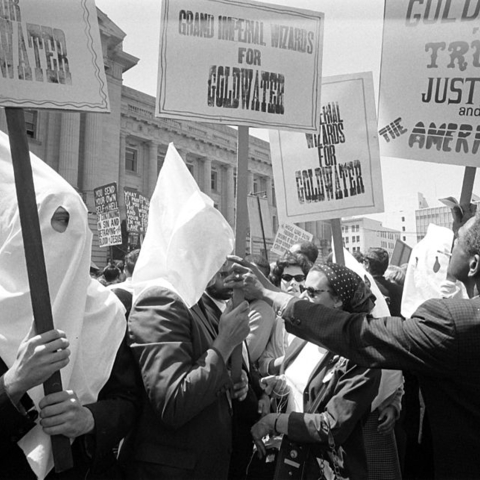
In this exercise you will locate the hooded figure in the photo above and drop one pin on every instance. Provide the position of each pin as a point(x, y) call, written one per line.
point(185, 427)
point(91, 316)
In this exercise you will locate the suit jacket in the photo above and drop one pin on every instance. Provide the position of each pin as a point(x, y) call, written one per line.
point(114, 413)
point(245, 413)
point(185, 427)
point(440, 343)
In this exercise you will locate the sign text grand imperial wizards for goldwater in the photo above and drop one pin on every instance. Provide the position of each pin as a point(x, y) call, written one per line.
point(246, 86)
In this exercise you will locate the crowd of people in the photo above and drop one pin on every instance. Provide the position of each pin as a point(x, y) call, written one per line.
point(332, 376)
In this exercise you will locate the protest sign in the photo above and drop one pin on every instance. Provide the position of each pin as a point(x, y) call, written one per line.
point(430, 87)
point(137, 206)
point(108, 224)
point(401, 253)
point(336, 172)
point(51, 56)
point(241, 62)
point(287, 236)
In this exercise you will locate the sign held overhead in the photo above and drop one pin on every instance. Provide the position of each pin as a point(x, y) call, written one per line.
point(240, 61)
point(51, 56)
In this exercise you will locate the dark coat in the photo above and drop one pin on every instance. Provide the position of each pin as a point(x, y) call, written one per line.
point(440, 343)
point(346, 398)
point(245, 413)
point(185, 428)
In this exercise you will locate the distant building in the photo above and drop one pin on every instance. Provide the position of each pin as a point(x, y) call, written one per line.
point(441, 216)
point(402, 221)
point(361, 233)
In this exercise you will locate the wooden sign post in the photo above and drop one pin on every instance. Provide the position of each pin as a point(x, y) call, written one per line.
point(35, 259)
point(241, 226)
point(467, 186)
point(338, 241)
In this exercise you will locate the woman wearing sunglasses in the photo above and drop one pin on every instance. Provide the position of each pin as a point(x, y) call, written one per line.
point(289, 274)
point(327, 404)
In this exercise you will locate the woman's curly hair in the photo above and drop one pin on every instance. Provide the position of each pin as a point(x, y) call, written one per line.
point(289, 259)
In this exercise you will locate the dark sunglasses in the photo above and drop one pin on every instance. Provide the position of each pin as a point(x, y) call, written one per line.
point(288, 278)
point(312, 293)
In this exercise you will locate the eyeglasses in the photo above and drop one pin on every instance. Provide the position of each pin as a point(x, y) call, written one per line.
point(288, 278)
point(312, 293)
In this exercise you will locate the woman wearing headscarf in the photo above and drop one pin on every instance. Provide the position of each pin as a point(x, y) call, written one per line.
point(100, 400)
point(335, 396)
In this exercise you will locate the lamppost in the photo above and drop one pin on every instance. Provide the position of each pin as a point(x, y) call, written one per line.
point(262, 194)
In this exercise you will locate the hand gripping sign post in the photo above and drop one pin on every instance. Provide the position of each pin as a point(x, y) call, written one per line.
point(237, 62)
point(336, 171)
point(51, 57)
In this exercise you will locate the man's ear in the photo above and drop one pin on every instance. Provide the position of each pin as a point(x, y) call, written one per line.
point(474, 266)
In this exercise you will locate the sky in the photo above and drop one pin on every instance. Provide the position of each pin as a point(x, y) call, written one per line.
point(352, 43)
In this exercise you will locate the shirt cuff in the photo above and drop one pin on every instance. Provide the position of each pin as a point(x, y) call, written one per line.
point(281, 302)
point(18, 406)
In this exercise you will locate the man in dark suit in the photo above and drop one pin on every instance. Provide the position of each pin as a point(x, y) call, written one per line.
point(245, 410)
point(440, 343)
point(185, 429)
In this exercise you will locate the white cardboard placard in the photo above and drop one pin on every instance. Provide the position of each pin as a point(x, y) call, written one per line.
point(51, 56)
point(337, 172)
point(288, 235)
point(430, 82)
point(239, 62)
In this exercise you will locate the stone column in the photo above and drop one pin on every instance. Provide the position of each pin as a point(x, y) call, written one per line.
point(207, 176)
point(310, 228)
point(93, 154)
point(268, 187)
point(69, 147)
point(121, 173)
point(250, 183)
point(152, 168)
point(230, 195)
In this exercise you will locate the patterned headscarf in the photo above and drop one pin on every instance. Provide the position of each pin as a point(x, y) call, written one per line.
point(346, 284)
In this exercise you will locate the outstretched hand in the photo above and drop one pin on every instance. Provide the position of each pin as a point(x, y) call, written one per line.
point(247, 277)
point(461, 215)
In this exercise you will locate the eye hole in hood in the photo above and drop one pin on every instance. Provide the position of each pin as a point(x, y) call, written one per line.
point(60, 220)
